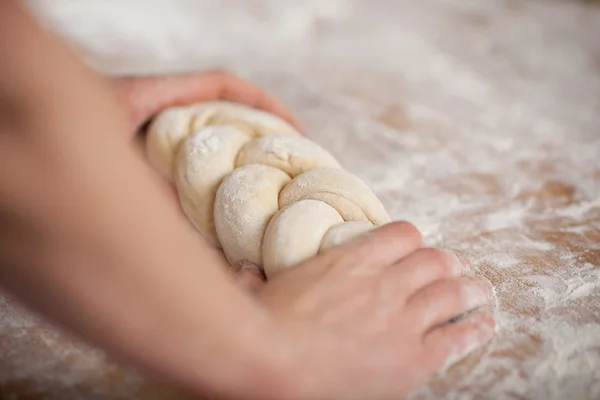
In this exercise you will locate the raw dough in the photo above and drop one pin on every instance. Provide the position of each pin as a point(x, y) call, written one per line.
point(251, 184)
point(173, 125)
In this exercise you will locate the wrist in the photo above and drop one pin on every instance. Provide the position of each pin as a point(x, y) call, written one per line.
point(254, 360)
point(271, 372)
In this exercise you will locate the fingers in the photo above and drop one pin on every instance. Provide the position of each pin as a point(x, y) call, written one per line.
point(142, 98)
point(147, 96)
point(380, 247)
point(228, 86)
point(450, 343)
point(445, 299)
point(427, 265)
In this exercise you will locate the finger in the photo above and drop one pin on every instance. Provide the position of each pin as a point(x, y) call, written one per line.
point(447, 298)
point(425, 266)
point(468, 265)
point(236, 89)
point(249, 280)
point(133, 95)
point(448, 344)
point(149, 96)
point(248, 275)
point(383, 246)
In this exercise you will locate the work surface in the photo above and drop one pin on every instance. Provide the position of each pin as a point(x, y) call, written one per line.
point(476, 120)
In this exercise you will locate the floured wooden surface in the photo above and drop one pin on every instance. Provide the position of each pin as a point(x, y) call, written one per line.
point(479, 121)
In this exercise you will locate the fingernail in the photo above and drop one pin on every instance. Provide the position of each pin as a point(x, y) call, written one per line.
point(467, 266)
point(483, 331)
point(250, 266)
point(460, 266)
point(478, 291)
point(238, 266)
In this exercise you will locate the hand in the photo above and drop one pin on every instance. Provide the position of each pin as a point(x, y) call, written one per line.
point(145, 97)
point(369, 319)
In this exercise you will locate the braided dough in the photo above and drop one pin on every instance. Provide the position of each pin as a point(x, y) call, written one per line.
point(251, 184)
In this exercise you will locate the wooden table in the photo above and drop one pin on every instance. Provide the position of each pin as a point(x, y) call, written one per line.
point(476, 120)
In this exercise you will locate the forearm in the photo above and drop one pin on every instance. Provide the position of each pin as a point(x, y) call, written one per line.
point(75, 198)
point(80, 269)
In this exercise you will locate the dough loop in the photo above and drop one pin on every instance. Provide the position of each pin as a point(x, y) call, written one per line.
point(251, 184)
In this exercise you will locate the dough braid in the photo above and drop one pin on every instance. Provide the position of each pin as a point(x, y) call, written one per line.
point(251, 184)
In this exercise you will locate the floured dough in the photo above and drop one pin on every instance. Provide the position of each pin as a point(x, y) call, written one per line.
point(175, 124)
point(251, 184)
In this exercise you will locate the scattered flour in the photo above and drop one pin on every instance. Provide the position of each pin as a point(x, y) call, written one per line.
point(207, 143)
point(559, 289)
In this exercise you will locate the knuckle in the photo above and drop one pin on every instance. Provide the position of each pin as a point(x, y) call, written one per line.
point(436, 258)
point(409, 231)
point(456, 291)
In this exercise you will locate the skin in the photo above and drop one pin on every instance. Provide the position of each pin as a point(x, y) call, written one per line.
point(144, 97)
point(90, 238)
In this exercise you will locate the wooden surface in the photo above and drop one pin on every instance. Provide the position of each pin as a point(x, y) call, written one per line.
point(476, 120)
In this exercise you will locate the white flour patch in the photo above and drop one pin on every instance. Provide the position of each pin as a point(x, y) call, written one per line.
point(574, 283)
point(504, 219)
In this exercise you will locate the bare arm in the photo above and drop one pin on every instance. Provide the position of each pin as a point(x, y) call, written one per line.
point(88, 237)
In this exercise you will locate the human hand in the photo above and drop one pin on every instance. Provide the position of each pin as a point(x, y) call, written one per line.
point(144, 97)
point(369, 319)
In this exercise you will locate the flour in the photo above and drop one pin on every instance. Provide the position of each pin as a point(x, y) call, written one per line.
point(202, 145)
point(578, 211)
point(559, 290)
point(207, 144)
point(282, 147)
point(504, 219)
point(475, 120)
